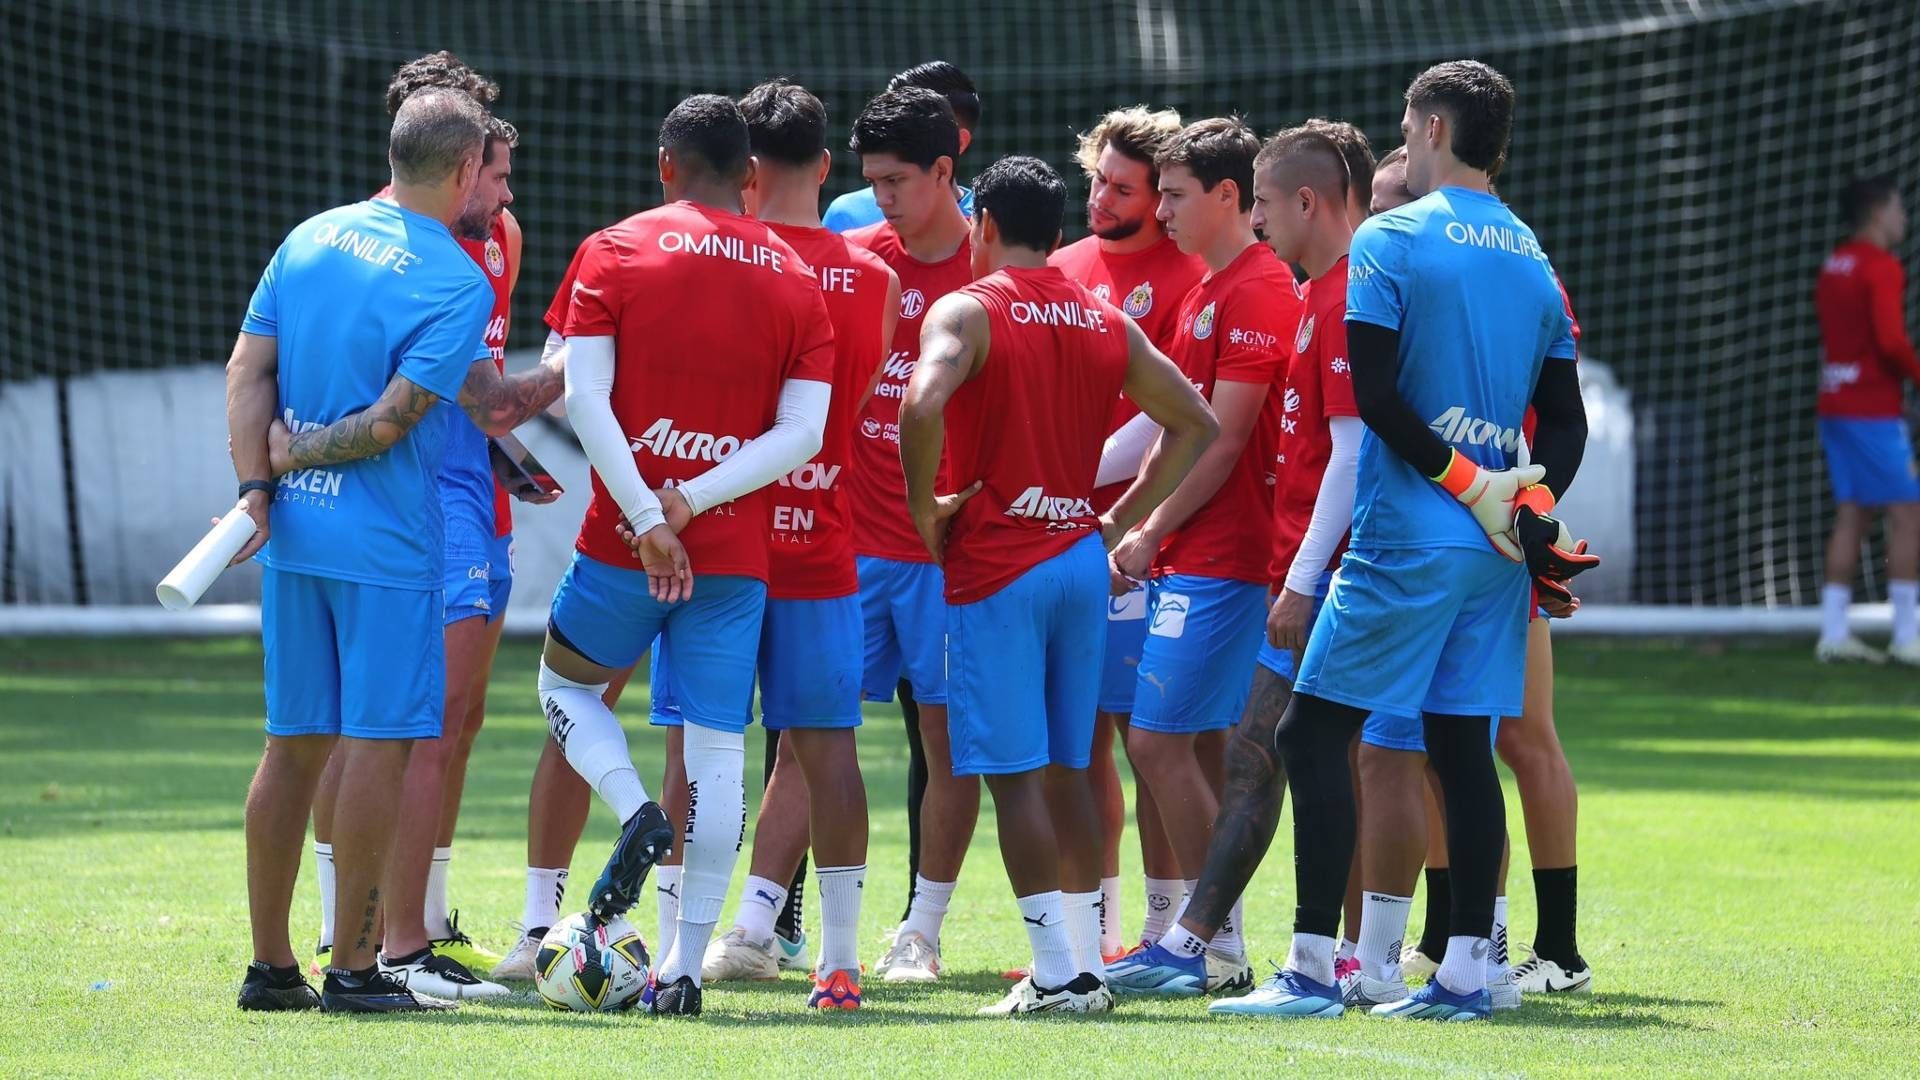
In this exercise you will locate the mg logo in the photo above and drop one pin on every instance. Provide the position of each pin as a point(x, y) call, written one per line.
point(912, 303)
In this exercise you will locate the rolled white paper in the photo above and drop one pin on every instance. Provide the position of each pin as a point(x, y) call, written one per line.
point(190, 578)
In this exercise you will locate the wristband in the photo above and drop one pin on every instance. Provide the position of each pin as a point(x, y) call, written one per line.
point(256, 485)
point(1458, 476)
point(1536, 497)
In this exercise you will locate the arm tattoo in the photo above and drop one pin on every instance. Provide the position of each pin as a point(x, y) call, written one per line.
point(1249, 807)
point(365, 433)
point(498, 404)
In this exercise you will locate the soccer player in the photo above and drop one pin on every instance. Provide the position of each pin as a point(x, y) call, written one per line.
point(1130, 262)
point(366, 316)
point(673, 378)
point(859, 209)
point(1451, 305)
point(908, 140)
point(1021, 368)
point(1300, 196)
point(811, 650)
point(421, 933)
point(1208, 546)
point(1357, 152)
point(1865, 354)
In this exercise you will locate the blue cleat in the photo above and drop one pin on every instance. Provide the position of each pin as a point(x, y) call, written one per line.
point(1154, 970)
point(1285, 993)
point(1436, 1002)
point(645, 839)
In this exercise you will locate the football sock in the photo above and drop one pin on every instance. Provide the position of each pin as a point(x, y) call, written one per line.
point(1229, 942)
point(1346, 951)
point(1163, 896)
point(1312, 955)
point(1464, 971)
point(592, 740)
point(1082, 910)
point(916, 787)
point(1833, 610)
point(1903, 595)
point(928, 908)
point(1556, 891)
point(323, 863)
point(1046, 922)
point(1109, 916)
point(840, 889)
point(415, 957)
point(436, 909)
point(1181, 941)
point(1497, 964)
point(1476, 834)
point(792, 922)
point(546, 889)
point(716, 814)
point(1433, 936)
point(666, 896)
point(1383, 924)
point(1312, 738)
point(760, 901)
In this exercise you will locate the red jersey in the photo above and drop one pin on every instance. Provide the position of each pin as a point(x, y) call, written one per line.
point(1236, 325)
point(556, 316)
point(1148, 286)
point(1319, 386)
point(881, 526)
point(1865, 351)
point(1029, 425)
point(710, 313)
point(812, 552)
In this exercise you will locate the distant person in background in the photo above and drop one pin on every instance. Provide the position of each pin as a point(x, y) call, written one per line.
point(1865, 353)
point(859, 208)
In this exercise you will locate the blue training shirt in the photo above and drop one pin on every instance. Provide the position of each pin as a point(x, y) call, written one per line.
point(857, 208)
point(1465, 283)
point(356, 295)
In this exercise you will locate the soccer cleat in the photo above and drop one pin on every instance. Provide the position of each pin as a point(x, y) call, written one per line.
point(518, 963)
point(428, 972)
point(792, 953)
point(645, 839)
point(1358, 990)
point(1847, 650)
point(1228, 974)
point(735, 956)
point(1344, 966)
point(1156, 970)
point(1085, 994)
point(266, 990)
point(347, 992)
point(1906, 654)
point(458, 946)
point(912, 959)
point(1417, 966)
point(835, 990)
point(1539, 975)
point(678, 998)
point(1285, 993)
point(322, 956)
point(1124, 950)
point(1436, 1002)
point(1504, 991)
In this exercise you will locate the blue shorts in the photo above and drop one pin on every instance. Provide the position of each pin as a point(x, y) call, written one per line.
point(1197, 663)
point(604, 613)
point(904, 619)
point(1280, 661)
point(1406, 732)
point(1871, 461)
point(1412, 631)
point(1023, 667)
point(479, 577)
point(364, 661)
point(1126, 633)
point(809, 667)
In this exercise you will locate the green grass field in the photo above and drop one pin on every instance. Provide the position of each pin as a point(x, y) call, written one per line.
point(1750, 849)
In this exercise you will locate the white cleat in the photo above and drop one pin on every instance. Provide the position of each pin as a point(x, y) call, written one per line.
point(1417, 966)
point(911, 959)
point(1228, 974)
point(1906, 654)
point(442, 977)
point(1847, 650)
point(518, 963)
point(1085, 994)
point(732, 956)
point(1504, 990)
point(1362, 991)
point(1539, 975)
point(793, 954)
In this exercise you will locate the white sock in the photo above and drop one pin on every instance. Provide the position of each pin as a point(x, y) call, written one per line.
point(1312, 955)
point(1181, 941)
point(1109, 916)
point(546, 890)
point(1383, 925)
point(323, 862)
point(1082, 910)
point(716, 818)
point(666, 894)
point(1228, 942)
point(760, 903)
point(929, 908)
point(436, 910)
point(592, 740)
point(840, 891)
point(1464, 971)
point(1163, 896)
point(1186, 897)
point(1347, 950)
point(1046, 921)
point(1833, 610)
point(1497, 946)
point(1904, 596)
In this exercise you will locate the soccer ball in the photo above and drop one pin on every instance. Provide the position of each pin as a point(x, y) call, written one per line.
point(583, 966)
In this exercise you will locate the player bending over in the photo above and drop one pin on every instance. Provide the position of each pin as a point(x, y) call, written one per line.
point(860, 209)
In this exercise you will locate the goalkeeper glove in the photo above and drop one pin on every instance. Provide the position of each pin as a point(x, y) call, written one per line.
point(1550, 550)
point(1554, 598)
point(1489, 495)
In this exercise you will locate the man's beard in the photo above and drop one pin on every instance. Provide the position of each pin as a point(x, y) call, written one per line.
point(1121, 231)
point(474, 223)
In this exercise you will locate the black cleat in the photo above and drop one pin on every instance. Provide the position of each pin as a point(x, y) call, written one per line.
point(372, 991)
point(270, 989)
point(645, 839)
point(678, 998)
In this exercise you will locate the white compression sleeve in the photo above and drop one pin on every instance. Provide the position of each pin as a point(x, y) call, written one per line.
point(592, 740)
point(590, 409)
point(555, 345)
point(799, 425)
point(1332, 507)
point(1124, 450)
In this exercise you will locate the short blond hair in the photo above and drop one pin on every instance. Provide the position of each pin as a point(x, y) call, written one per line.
point(1136, 131)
